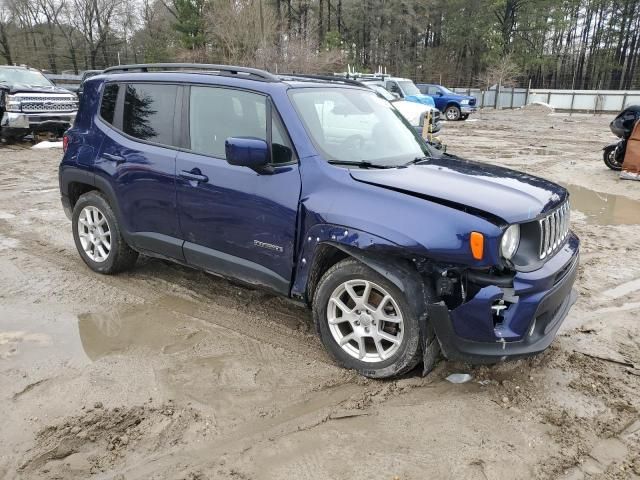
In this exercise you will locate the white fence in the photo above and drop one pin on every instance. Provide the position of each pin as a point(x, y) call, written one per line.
point(566, 100)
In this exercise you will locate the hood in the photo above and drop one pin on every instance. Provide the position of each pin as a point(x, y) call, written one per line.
point(412, 111)
point(421, 98)
point(24, 88)
point(495, 191)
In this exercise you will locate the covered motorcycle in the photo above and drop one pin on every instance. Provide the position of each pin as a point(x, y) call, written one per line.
point(622, 127)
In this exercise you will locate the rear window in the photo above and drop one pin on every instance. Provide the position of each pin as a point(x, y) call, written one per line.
point(108, 106)
point(149, 112)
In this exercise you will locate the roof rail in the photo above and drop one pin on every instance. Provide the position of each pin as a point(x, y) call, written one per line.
point(326, 78)
point(229, 69)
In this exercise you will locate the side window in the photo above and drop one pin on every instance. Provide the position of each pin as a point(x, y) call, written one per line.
point(281, 148)
point(433, 90)
point(149, 112)
point(216, 114)
point(393, 88)
point(108, 106)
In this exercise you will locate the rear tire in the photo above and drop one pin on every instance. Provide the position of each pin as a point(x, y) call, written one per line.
point(98, 237)
point(392, 346)
point(609, 157)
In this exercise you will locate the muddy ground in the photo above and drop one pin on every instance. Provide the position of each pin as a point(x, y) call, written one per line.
point(168, 373)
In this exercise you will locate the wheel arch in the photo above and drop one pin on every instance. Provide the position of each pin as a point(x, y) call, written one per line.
point(327, 245)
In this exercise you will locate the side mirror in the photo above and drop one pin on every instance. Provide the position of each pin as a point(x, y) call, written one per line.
point(439, 93)
point(247, 152)
point(396, 95)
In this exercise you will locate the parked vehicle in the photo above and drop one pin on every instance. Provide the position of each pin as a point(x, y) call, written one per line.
point(85, 76)
point(320, 191)
point(401, 87)
point(453, 105)
point(621, 127)
point(30, 103)
point(415, 113)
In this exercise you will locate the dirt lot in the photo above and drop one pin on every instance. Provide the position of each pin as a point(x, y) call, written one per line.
point(170, 373)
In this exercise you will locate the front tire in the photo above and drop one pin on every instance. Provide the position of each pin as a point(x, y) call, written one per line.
point(610, 158)
point(452, 113)
point(365, 321)
point(98, 237)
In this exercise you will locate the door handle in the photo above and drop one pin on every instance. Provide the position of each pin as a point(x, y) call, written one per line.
point(194, 175)
point(114, 158)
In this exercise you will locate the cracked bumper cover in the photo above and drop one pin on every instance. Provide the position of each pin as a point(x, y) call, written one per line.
point(467, 333)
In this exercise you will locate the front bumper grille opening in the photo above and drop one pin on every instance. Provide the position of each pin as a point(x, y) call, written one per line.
point(554, 229)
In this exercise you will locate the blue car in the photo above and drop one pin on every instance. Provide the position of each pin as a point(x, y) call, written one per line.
point(321, 191)
point(453, 105)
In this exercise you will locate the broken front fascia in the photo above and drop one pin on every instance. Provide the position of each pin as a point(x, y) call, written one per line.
point(489, 322)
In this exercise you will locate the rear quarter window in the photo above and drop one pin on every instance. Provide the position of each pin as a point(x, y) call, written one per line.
point(108, 105)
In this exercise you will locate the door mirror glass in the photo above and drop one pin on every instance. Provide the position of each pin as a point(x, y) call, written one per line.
point(247, 152)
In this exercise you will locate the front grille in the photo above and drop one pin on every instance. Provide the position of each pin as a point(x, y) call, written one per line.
point(40, 103)
point(554, 228)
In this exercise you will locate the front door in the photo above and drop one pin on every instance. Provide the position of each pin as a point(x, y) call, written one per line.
point(235, 221)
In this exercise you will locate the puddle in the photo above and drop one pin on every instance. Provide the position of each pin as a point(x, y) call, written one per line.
point(603, 208)
point(153, 328)
point(39, 338)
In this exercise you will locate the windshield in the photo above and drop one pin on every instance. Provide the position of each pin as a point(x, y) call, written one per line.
point(446, 90)
point(27, 77)
point(408, 87)
point(384, 92)
point(349, 125)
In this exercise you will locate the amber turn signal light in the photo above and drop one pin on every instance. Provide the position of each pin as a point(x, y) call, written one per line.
point(477, 245)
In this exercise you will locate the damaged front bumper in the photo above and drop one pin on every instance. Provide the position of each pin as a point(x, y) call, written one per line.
point(23, 123)
point(499, 323)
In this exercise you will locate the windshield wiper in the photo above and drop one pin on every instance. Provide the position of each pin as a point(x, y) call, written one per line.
point(417, 160)
point(359, 164)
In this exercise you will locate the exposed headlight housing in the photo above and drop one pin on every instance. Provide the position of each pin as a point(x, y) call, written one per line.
point(510, 241)
point(464, 102)
point(12, 103)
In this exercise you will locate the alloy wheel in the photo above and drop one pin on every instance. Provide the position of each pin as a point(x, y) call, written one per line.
point(365, 320)
point(94, 233)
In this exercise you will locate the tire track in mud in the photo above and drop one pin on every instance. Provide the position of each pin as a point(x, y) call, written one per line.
point(299, 416)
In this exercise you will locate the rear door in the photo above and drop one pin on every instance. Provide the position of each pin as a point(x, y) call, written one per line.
point(137, 160)
point(237, 222)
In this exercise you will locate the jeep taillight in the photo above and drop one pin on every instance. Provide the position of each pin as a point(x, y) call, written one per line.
point(65, 143)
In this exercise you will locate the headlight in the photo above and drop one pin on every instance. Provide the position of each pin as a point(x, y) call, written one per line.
point(464, 102)
point(510, 241)
point(12, 103)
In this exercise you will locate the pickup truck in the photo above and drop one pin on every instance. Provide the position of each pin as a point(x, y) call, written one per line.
point(30, 103)
point(453, 105)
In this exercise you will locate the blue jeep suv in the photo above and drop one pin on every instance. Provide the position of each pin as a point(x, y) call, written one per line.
point(321, 191)
point(452, 104)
